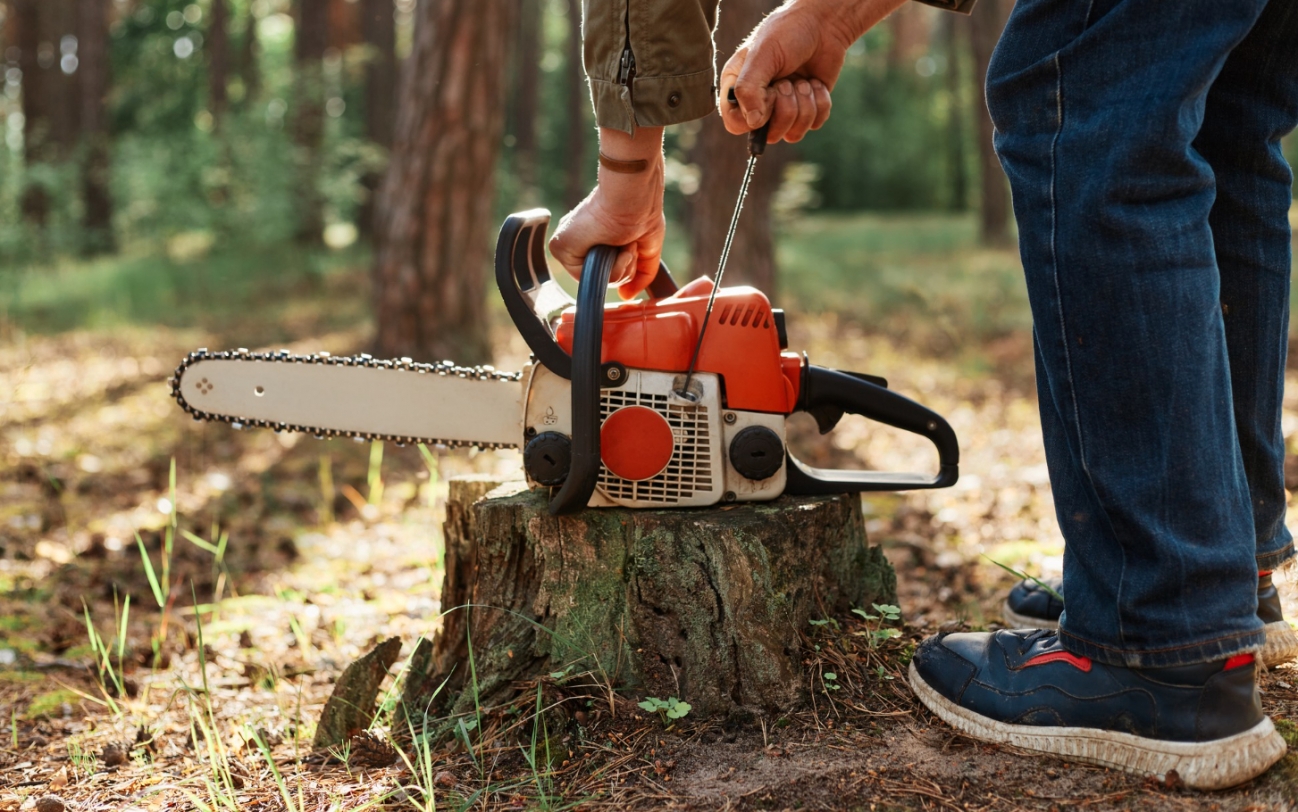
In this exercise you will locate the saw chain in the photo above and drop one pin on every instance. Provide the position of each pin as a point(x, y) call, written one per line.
point(397, 366)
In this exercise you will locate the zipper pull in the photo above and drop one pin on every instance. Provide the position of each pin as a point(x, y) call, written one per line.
point(626, 67)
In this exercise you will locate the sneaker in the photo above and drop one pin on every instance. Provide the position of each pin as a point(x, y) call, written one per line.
point(1281, 640)
point(1031, 606)
point(1020, 687)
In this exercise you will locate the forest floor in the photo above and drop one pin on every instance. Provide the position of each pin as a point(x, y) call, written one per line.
point(291, 557)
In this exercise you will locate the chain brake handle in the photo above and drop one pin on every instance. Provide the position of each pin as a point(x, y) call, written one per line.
point(532, 297)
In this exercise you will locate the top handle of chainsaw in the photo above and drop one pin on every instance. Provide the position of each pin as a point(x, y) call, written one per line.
point(587, 347)
point(828, 393)
point(532, 297)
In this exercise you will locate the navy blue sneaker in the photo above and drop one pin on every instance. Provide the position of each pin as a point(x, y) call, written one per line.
point(1023, 688)
point(1031, 606)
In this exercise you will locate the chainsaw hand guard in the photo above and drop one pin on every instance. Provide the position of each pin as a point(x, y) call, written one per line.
point(588, 331)
point(533, 298)
point(827, 394)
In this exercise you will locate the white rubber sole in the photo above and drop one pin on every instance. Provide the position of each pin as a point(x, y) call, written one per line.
point(1281, 644)
point(1203, 765)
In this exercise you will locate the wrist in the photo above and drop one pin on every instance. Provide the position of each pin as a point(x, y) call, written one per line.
point(646, 144)
point(845, 21)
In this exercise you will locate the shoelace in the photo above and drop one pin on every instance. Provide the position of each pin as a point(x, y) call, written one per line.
point(1030, 639)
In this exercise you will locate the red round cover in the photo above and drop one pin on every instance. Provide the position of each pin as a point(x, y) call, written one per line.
point(636, 443)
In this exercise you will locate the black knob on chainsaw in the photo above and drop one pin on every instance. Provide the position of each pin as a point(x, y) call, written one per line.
point(547, 457)
point(757, 452)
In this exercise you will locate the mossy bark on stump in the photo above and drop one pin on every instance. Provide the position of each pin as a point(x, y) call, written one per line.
point(708, 605)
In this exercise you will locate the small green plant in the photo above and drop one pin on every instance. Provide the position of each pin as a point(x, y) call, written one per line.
point(108, 675)
point(830, 680)
point(824, 622)
point(541, 776)
point(1023, 576)
point(82, 760)
point(669, 710)
point(878, 634)
point(421, 763)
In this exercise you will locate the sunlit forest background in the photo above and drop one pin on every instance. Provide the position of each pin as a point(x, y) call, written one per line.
point(141, 136)
point(323, 175)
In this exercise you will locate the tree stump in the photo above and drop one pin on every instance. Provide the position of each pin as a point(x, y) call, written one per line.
point(708, 605)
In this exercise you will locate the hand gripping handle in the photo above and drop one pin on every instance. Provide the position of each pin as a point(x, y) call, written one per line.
point(532, 297)
point(828, 393)
point(587, 347)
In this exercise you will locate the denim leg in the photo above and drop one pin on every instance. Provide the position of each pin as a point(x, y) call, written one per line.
point(1096, 105)
point(1252, 104)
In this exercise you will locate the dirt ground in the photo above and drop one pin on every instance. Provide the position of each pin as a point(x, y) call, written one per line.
point(206, 695)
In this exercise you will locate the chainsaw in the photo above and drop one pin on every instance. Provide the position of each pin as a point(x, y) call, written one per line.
point(622, 404)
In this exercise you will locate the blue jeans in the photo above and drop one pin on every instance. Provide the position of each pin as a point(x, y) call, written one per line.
point(1141, 139)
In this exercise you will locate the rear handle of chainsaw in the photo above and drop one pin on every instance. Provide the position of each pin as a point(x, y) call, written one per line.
point(587, 346)
point(827, 394)
point(532, 297)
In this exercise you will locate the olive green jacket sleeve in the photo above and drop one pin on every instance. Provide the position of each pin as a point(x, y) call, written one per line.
point(652, 62)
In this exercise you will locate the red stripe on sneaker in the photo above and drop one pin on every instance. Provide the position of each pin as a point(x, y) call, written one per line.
point(1239, 661)
point(1264, 573)
point(1080, 663)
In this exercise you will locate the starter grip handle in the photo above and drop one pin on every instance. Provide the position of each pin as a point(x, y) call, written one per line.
point(828, 390)
point(531, 296)
point(587, 347)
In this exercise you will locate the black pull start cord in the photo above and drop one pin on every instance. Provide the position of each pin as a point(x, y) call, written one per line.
point(756, 146)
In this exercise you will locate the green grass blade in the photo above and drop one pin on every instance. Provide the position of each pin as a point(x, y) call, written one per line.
point(200, 543)
point(1023, 576)
point(150, 574)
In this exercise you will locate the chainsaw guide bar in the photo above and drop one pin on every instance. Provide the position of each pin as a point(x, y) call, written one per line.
point(488, 400)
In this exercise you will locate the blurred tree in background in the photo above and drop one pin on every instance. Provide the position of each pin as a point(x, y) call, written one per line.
point(188, 126)
point(433, 218)
point(720, 159)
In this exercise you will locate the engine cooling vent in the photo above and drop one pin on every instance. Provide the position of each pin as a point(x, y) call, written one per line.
point(688, 473)
point(745, 316)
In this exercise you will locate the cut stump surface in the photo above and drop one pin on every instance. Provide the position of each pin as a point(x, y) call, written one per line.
point(708, 605)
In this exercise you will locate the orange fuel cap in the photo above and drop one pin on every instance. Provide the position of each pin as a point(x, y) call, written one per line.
point(636, 443)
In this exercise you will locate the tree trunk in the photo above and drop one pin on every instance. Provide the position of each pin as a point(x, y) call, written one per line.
point(985, 28)
point(309, 41)
point(94, 68)
point(956, 122)
point(575, 105)
point(434, 223)
point(910, 30)
point(249, 72)
point(38, 99)
point(721, 158)
point(378, 22)
point(707, 605)
point(527, 73)
point(218, 59)
point(60, 31)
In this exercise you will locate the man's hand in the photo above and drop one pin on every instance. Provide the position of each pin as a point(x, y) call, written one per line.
point(625, 210)
point(788, 65)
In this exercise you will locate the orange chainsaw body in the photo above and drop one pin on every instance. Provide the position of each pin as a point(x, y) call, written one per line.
point(742, 347)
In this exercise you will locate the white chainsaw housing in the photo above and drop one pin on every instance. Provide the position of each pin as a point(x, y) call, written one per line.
point(699, 473)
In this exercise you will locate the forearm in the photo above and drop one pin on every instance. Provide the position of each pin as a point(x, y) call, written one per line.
point(633, 191)
point(848, 19)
